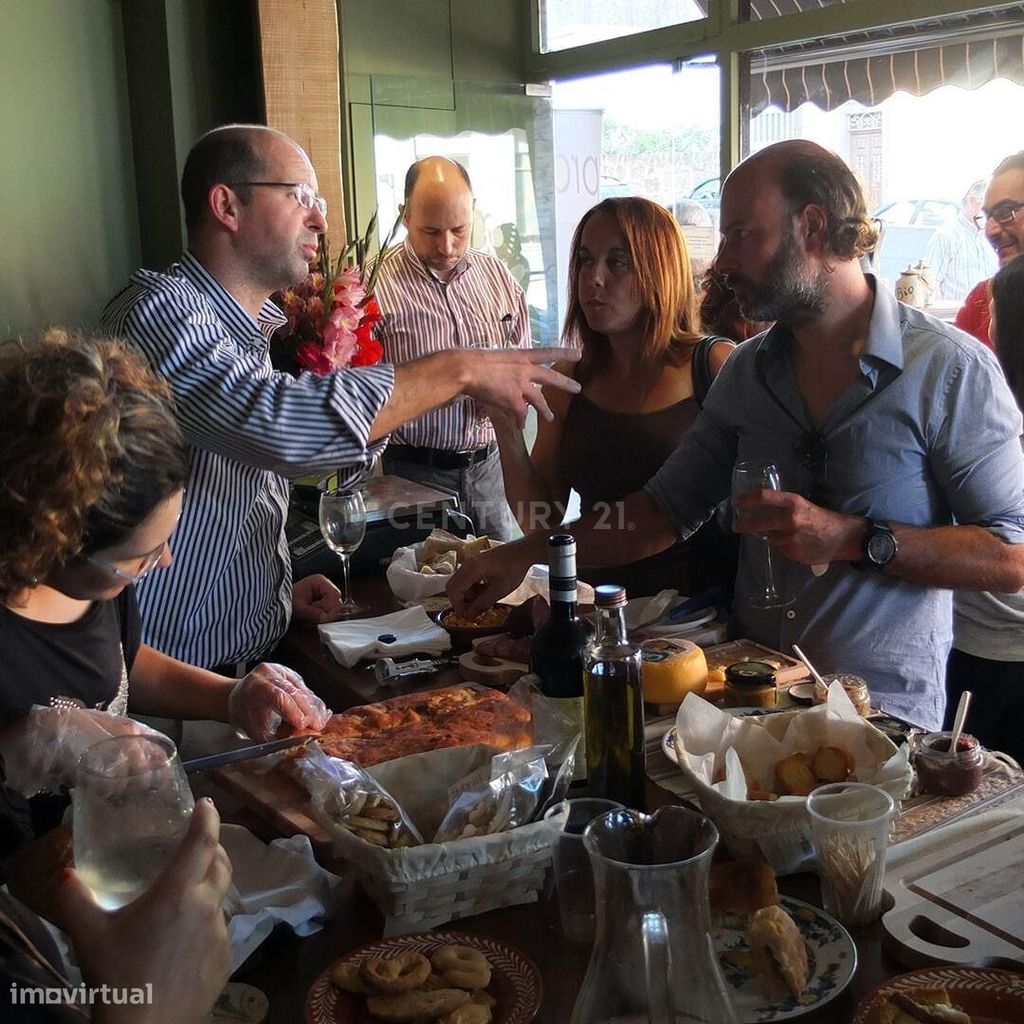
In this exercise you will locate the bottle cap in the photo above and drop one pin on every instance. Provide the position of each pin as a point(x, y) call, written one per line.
point(609, 595)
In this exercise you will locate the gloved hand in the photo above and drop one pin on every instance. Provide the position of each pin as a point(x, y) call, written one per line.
point(269, 695)
point(42, 751)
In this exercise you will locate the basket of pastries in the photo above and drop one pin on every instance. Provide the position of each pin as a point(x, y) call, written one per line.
point(423, 569)
point(752, 774)
point(448, 832)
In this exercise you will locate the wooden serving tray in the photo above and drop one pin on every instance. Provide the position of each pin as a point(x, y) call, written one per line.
point(962, 903)
point(721, 656)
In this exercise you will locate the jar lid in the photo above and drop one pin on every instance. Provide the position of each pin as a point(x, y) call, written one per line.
point(750, 673)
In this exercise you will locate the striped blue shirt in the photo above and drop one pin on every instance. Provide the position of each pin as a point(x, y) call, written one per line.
point(479, 305)
point(227, 595)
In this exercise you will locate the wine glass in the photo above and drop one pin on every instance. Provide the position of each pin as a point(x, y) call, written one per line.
point(759, 476)
point(343, 525)
point(132, 805)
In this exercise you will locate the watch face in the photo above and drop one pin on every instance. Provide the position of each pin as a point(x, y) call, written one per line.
point(881, 548)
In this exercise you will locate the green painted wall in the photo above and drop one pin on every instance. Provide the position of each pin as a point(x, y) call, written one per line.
point(67, 180)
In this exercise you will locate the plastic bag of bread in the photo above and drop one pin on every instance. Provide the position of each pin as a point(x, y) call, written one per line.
point(423, 569)
point(349, 796)
point(497, 797)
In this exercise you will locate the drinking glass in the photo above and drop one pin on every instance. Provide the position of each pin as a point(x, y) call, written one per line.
point(343, 525)
point(759, 476)
point(132, 805)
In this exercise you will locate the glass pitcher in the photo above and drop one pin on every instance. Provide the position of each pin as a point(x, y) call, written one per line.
point(653, 960)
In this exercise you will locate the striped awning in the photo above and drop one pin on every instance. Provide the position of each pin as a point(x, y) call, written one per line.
point(964, 50)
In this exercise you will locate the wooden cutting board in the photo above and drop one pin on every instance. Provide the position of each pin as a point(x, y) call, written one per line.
point(272, 794)
point(963, 903)
point(721, 656)
point(491, 671)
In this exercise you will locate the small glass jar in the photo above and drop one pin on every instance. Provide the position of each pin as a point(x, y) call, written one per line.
point(945, 772)
point(750, 684)
point(855, 687)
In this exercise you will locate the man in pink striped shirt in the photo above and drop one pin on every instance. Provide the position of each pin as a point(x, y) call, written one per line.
point(436, 293)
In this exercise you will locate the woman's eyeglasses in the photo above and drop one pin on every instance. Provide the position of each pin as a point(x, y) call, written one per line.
point(149, 563)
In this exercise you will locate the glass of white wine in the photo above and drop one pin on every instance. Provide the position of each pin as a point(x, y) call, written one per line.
point(343, 525)
point(132, 805)
point(759, 476)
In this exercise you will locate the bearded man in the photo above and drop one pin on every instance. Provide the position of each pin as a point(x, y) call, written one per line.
point(895, 435)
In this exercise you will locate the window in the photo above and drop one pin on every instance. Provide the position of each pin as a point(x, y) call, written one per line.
point(567, 23)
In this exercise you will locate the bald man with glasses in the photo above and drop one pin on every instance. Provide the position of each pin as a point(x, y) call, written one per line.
point(253, 217)
point(1002, 220)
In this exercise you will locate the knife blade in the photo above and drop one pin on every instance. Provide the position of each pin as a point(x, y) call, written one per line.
point(205, 763)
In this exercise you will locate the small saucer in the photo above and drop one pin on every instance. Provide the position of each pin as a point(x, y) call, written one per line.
point(801, 693)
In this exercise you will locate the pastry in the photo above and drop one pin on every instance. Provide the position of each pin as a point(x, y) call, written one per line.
point(919, 1006)
point(778, 953)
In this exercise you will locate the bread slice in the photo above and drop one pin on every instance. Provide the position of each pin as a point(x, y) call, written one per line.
point(795, 775)
point(778, 953)
point(831, 764)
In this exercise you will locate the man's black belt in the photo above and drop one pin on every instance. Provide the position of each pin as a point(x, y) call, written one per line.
point(439, 458)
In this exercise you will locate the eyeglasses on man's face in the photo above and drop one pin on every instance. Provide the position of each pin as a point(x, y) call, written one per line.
point(1002, 213)
point(149, 563)
point(304, 195)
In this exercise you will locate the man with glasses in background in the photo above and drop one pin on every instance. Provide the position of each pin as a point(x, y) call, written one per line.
point(1002, 220)
point(253, 217)
point(895, 436)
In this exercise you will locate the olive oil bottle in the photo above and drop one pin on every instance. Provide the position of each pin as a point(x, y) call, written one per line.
point(613, 705)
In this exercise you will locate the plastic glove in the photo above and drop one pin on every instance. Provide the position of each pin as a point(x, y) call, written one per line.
point(269, 695)
point(42, 751)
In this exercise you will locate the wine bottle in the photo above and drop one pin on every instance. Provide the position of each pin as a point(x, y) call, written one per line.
point(556, 653)
point(614, 705)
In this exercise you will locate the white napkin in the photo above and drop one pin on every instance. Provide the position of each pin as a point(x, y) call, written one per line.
point(414, 631)
point(279, 882)
point(536, 582)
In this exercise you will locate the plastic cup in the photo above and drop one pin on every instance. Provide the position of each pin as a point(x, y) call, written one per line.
point(850, 824)
point(574, 877)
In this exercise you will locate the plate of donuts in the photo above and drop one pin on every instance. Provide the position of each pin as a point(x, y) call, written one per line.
point(424, 976)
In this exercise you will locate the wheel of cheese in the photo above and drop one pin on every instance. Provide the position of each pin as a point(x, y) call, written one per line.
point(672, 669)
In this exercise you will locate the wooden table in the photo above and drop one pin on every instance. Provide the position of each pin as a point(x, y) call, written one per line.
point(286, 966)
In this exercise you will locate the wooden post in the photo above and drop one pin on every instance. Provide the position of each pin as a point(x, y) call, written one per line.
point(299, 46)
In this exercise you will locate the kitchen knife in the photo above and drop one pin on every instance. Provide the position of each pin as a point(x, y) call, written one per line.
point(204, 764)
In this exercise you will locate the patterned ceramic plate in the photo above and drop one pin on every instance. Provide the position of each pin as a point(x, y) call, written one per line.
point(831, 956)
point(515, 980)
point(990, 996)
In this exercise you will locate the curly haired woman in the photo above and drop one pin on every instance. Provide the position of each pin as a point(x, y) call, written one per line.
point(92, 468)
point(633, 310)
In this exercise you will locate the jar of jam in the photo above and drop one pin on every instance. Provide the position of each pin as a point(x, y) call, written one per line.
point(750, 684)
point(855, 687)
point(948, 772)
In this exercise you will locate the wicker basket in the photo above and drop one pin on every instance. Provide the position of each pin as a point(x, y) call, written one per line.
point(430, 884)
point(779, 832)
point(438, 882)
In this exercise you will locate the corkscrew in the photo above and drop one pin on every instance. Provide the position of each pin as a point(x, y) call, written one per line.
point(387, 670)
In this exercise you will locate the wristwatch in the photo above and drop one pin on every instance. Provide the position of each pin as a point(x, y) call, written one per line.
point(879, 546)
